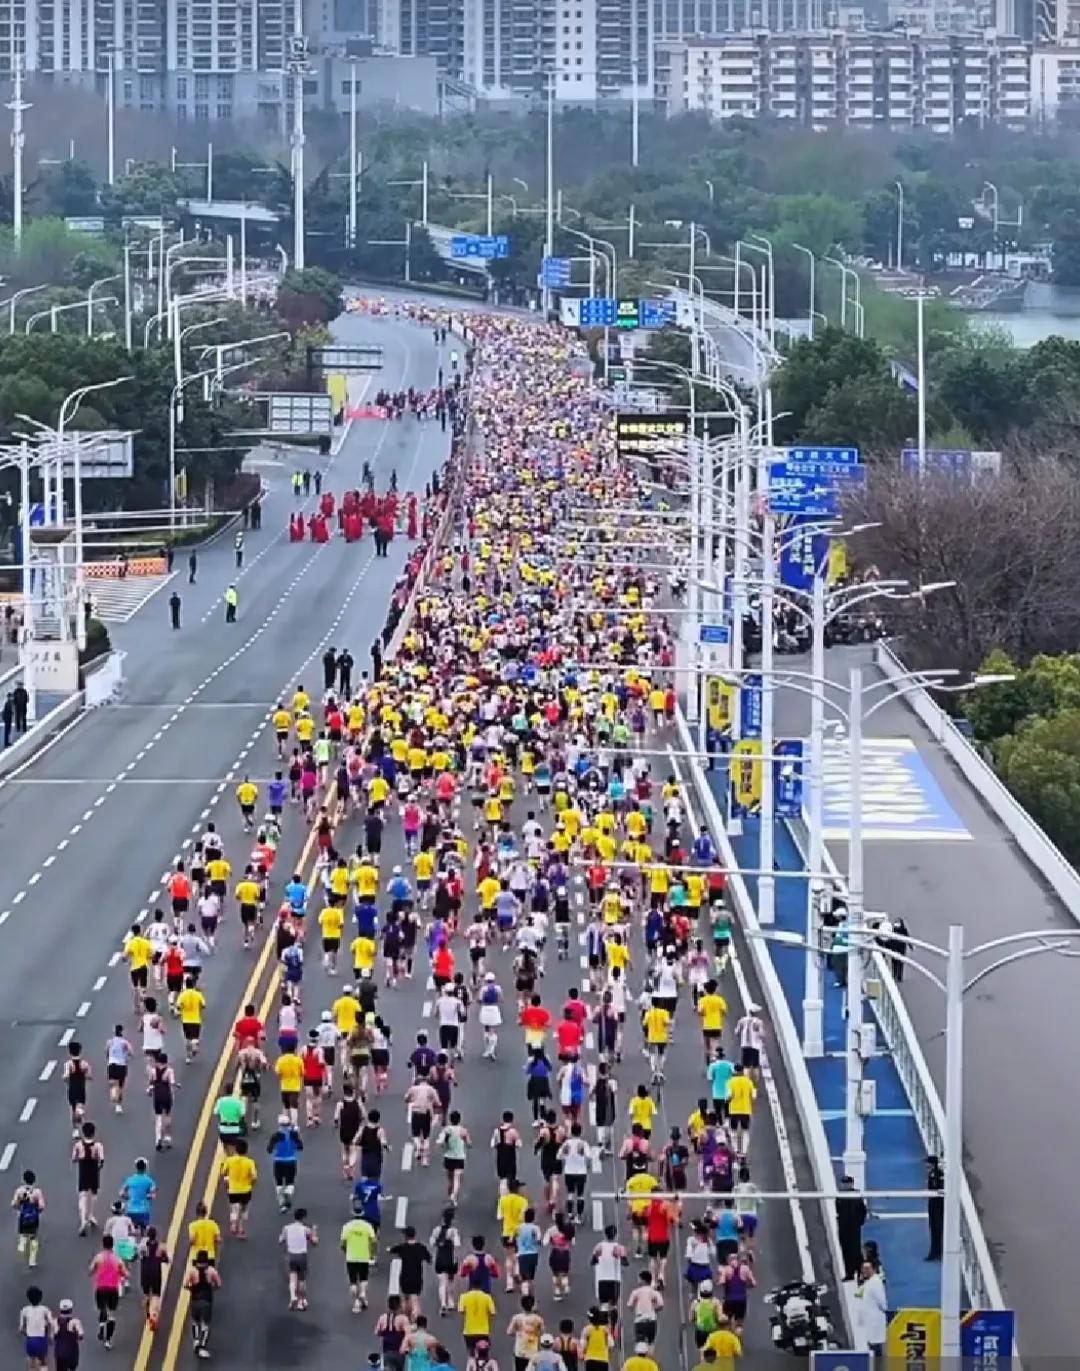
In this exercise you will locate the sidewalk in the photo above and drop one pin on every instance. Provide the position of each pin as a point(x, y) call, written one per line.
point(895, 1154)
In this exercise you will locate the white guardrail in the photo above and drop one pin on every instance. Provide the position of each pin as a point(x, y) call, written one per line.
point(1032, 841)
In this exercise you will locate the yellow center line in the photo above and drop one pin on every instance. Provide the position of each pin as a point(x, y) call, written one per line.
point(198, 1142)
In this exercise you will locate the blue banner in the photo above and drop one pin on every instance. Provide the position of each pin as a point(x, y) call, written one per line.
point(986, 1338)
point(803, 551)
point(788, 778)
point(750, 707)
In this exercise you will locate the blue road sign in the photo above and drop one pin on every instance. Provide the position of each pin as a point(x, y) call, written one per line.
point(837, 456)
point(555, 271)
point(986, 1338)
point(750, 707)
point(839, 1361)
point(803, 553)
point(835, 472)
point(597, 311)
point(656, 313)
point(956, 460)
point(479, 245)
point(790, 493)
point(715, 635)
point(788, 778)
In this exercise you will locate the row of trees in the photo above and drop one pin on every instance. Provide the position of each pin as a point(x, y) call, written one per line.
point(1031, 726)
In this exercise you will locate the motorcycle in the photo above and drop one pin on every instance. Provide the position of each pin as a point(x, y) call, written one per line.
point(800, 1323)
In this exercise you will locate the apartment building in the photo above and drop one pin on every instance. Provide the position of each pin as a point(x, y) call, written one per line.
point(861, 80)
point(511, 49)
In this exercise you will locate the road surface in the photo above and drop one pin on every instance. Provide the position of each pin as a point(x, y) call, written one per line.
point(1020, 1119)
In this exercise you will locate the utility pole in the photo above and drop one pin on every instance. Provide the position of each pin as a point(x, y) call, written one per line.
point(298, 66)
point(549, 237)
point(353, 154)
point(635, 112)
point(18, 140)
point(110, 115)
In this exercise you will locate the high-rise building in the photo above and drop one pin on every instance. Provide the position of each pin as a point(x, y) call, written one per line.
point(509, 49)
point(862, 80)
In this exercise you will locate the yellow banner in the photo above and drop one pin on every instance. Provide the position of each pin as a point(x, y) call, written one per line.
point(746, 774)
point(337, 389)
point(837, 565)
point(720, 702)
point(181, 484)
point(914, 1335)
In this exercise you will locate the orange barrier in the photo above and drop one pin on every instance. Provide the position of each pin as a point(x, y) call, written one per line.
point(137, 566)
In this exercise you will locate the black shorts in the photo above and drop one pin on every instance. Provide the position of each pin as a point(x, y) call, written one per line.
point(357, 1271)
point(607, 1292)
point(139, 977)
point(218, 888)
point(248, 914)
point(151, 1285)
point(735, 1309)
point(331, 944)
point(192, 1031)
point(751, 1056)
point(420, 1124)
point(107, 1301)
point(240, 1201)
point(659, 1249)
point(284, 1173)
point(454, 1164)
point(116, 1072)
point(448, 1036)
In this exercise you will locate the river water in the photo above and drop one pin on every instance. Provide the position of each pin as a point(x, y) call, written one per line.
point(1048, 311)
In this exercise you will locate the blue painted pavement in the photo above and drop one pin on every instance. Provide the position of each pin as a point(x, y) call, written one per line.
point(894, 1148)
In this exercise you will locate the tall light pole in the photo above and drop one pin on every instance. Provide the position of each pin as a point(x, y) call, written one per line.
point(91, 302)
point(298, 66)
point(549, 236)
point(110, 115)
point(635, 114)
point(68, 410)
point(353, 154)
point(899, 225)
point(810, 310)
point(18, 141)
point(920, 368)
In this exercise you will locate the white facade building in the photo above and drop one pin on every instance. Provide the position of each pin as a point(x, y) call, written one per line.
point(864, 80)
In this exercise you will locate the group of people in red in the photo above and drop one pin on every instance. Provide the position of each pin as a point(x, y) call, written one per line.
point(356, 512)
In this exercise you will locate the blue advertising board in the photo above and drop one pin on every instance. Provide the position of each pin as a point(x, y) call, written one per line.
point(597, 311)
point(793, 493)
point(714, 635)
point(986, 1338)
point(804, 550)
point(788, 778)
point(750, 707)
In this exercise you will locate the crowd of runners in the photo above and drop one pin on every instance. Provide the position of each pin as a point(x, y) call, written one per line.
point(492, 817)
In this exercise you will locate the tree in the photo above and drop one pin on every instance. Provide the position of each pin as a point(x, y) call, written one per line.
point(1009, 543)
point(1041, 766)
point(69, 189)
point(149, 188)
point(997, 710)
point(813, 369)
point(311, 296)
point(38, 370)
point(873, 413)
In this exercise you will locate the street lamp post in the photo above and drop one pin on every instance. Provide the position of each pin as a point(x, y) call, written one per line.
point(920, 367)
point(899, 225)
point(353, 156)
point(810, 308)
point(549, 174)
point(298, 67)
point(17, 105)
point(13, 301)
point(110, 115)
point(91, 302)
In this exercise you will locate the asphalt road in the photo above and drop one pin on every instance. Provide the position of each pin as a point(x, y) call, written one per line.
point(148, 774)
point(1021, 1124)
point(90, 828)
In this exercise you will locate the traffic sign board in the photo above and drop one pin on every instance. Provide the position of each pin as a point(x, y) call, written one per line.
point(839, 456)
point(715, 635)
point(839, 1361)
point(479, 245)
point(597, 311)
point(792, 493)
point(656, 313)
point(833, 471)
point(555, 271)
